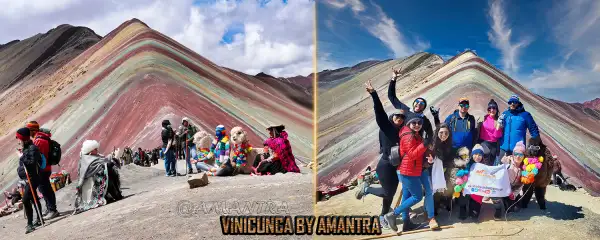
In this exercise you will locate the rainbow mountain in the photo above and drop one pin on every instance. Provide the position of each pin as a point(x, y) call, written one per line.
point(117, 89)
point(348, 134)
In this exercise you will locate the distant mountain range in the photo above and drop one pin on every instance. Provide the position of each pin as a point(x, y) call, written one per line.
point(117, 89)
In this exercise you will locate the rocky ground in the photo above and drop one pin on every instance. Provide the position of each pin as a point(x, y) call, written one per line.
point(570, 215)
point(159, 207)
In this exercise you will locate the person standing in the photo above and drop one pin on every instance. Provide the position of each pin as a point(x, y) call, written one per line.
point(168, 137)
point(419, 106)
point(188, 132)
point(389, 129)
point(515, 122)
point(42, 141)
point(462, 125)
point(489, 133)
point(30, 160)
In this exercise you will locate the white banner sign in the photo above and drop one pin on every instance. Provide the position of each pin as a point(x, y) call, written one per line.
point(488, 181)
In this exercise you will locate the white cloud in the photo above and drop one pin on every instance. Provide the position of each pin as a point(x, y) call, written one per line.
point(576, 28)
point(277, 38)
point(356, 5)
point(381, 26)
point(500, 36)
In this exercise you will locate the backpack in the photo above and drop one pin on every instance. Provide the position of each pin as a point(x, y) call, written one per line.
point(55, 152)
point(395, 158)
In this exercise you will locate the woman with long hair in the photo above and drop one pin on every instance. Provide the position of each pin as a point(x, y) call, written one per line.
point(442, 149)
point(489, 133)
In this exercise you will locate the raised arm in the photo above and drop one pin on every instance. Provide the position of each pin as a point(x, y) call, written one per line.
point(393, 99)
point(381, 117)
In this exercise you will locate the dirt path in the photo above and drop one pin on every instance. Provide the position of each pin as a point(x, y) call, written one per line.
point(153, 208)
point(570, 215)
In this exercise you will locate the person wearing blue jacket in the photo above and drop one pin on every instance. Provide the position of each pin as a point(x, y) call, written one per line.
point(463, 126)
point(515, 122)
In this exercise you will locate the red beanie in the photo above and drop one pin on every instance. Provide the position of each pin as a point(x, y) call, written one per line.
point(23, 134)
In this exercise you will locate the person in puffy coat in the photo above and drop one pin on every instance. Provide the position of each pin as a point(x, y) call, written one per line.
point(489, 133)
point(463, 126)
point(515, 122)
point(412, 152)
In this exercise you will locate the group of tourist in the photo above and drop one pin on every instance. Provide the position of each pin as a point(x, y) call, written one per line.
point(409, 146)
point(224, 155)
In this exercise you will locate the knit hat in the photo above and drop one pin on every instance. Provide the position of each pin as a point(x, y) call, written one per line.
point(477, 149)
point(463, 100)
point(23, 134)
point(185, 119)
point(492, 104)
point(33, 125)
point(519, 147)
point(414, 118)
point(514, 98)
point(89, 146)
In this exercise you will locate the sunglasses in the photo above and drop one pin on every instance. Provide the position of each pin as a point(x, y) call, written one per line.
point(417, 123)
point(511, 103)
point(519, 155)
point(492, 108)
point(463, 105)
point(536, 148)
point(420, 102)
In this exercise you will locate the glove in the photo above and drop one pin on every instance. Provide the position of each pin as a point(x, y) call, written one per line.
point(434, 111)
point(501, 119)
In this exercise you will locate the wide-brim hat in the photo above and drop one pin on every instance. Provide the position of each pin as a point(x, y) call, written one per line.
point(276, 126)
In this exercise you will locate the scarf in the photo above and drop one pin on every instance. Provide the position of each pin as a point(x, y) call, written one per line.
point(240, 154)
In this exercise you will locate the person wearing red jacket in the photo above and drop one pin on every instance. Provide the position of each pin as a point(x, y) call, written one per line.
point(412, 152)
point(42, 141)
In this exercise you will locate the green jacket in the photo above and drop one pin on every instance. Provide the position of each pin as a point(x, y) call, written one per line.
point(191, 131)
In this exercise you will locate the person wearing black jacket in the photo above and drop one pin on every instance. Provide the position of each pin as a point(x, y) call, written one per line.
point(389, 129)
point(30, 159)
point(419, 105)
point(167, 135)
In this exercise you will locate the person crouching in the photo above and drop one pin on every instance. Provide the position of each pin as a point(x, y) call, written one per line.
point(514, 174)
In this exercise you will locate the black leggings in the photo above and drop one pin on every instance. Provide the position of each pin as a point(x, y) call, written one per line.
point(28, 203)
point(540, 196)
point(388, 179)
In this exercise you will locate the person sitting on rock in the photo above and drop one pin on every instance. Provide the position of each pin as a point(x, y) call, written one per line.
point(99, 182)
point(282, 149)
point(268, 163)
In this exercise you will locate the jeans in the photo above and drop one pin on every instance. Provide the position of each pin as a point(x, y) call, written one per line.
point(46, 189)
point(429, 204)
point(500, 155)
point(190, 153)
point(170, 162)
point(412, 193)
point(201, 166)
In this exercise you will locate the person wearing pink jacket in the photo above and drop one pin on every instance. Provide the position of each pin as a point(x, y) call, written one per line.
point(489, 133)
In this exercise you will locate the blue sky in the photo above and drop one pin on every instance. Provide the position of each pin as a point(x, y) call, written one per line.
point(551, 46)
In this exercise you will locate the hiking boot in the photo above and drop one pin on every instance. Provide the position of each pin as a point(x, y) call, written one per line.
point(51, 215)
point(360, 191)
point(390, 218)
point(408, 225)
point(45, 213)
point(498, 214)
point(190, 171)
point(29, 228)
point(36, 223)
point(433, 224)
point(384, 224)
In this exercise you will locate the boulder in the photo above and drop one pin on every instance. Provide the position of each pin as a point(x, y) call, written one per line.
point(199, 180)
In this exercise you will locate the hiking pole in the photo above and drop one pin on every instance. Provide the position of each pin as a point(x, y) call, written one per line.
point(187, 155)
point(35, 203)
